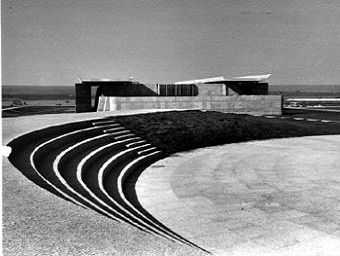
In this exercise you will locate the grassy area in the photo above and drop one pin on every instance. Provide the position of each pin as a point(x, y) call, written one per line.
point(184, 130)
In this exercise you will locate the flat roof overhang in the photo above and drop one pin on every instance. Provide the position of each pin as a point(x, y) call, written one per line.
point(222, 80)
point(235, 82)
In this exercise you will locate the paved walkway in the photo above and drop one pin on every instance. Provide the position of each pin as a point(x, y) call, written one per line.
point(276, 197)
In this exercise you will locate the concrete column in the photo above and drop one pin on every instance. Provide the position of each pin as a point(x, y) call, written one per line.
point(224, 90)
point(113, 103)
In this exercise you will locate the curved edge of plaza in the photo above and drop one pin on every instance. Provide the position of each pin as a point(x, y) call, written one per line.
point(273, 197)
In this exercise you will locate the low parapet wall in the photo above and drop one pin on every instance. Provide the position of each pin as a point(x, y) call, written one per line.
point(249, 104)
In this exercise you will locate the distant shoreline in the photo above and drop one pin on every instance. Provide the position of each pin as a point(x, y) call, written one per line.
point(65, 95)
point(70, 89)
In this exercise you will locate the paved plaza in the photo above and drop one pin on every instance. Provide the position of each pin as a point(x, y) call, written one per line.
point(275, 197)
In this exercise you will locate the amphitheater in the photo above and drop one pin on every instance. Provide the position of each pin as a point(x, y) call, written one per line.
point(118, 195)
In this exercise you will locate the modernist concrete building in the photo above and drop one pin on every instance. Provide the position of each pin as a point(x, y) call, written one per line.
point(240, 94)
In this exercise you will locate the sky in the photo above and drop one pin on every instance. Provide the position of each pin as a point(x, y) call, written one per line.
point(56, 42)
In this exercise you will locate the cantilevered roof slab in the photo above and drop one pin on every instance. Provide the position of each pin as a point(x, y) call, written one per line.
point(221, 79)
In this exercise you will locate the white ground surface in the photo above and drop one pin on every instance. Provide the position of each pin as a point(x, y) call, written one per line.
point(275, 197)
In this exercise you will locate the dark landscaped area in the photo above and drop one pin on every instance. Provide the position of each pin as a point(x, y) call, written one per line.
point(185, 130)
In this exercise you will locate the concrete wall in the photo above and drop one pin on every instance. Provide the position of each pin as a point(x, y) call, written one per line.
point(250, 104)
point(211, 89)
point(83, 98)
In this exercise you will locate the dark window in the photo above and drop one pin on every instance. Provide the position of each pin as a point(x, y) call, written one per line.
point(177, 90)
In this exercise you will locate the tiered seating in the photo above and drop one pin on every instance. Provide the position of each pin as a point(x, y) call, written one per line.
point(89, 163)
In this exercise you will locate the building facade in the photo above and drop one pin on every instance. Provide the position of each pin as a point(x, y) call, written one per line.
point(223, 95)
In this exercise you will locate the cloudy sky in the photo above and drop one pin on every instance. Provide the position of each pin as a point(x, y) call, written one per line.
point(53, 42)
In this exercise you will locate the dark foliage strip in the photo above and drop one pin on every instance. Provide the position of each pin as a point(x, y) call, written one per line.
point(184, 130)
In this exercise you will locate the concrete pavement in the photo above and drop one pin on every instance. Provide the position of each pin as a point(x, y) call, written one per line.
point(275, 197)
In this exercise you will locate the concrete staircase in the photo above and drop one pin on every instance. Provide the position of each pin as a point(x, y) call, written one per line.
point(94, 164)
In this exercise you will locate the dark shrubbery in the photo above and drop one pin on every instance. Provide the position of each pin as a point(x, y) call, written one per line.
point(184, 130)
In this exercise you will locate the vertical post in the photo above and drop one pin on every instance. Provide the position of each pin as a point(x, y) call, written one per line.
point(224, 90)
point(158, 89)
point(98, 94)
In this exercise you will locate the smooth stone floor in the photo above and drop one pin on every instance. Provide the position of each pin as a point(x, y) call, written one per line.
point(274, 197)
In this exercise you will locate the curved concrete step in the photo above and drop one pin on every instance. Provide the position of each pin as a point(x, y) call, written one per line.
point(87, 173)
point(23, 146)
point(107, 181)
point(66, 166)
point(65, 169)
point(43, 156)
point(109, 121)
point(142, 160)
point(118, 132)
point(115, 129)
point(90, 163)
point(125, 136)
